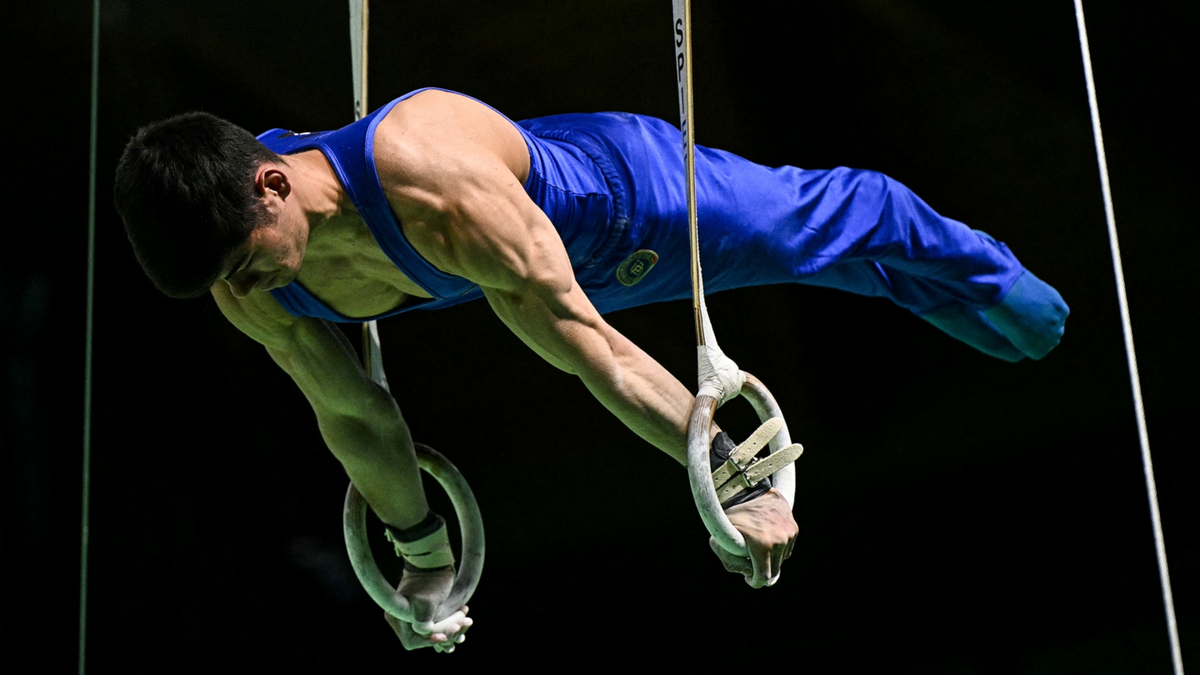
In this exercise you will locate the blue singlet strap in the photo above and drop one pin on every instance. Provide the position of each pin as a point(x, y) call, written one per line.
point(350, 151)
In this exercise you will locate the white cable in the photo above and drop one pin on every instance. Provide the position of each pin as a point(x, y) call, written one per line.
point(1127, 327)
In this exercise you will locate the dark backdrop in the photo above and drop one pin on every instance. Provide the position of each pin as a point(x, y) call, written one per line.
point(958, 514)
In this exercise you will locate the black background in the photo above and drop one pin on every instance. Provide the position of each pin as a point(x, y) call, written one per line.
point(958, 514)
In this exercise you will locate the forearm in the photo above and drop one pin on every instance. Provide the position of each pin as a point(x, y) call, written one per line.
point(376, 450)
point(568, 332)
point(642, 394)
point(358, 419)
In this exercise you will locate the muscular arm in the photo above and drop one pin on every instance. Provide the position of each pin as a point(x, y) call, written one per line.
point(358, 420)
point(538, 299)
point(453, 172)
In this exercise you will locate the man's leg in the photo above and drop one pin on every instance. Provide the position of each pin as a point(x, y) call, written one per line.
point(863, 232)
point(961, 321)
point(972, 327)
point(1031, 316)
point(1027, 322)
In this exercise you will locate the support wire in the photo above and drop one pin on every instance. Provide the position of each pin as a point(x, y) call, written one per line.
point(1131, 356)
point(87, 349)
point(360, 17)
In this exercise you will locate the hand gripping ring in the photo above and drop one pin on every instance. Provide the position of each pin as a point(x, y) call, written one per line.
point(354, 522)
point(699, 470)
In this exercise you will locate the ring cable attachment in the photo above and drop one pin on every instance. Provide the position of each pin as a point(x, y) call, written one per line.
point(720, 379)
point(430, 551)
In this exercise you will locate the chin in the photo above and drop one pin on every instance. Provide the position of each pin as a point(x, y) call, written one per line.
point(285, 278)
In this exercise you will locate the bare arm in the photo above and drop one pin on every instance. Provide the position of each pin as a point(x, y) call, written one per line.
point(536, 296)
point(527, 278)
point(453, 170)
point(358, 420)
point(528, 281)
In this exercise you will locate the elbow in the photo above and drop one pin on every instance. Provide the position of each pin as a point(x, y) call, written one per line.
point(610, 366)
point(364, 429)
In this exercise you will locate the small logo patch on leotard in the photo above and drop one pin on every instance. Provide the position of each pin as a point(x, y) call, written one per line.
point(636, 266)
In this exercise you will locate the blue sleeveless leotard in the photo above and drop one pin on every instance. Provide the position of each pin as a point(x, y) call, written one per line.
point(613, 185)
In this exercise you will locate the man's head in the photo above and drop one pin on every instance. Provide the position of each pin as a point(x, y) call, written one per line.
point(186, 189)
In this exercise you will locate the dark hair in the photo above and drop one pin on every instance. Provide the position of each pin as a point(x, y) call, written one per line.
point(185, 189)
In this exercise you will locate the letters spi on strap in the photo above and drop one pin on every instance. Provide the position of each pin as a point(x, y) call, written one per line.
point(719, 377)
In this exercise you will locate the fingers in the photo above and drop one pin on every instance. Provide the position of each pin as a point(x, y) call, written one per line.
point(452, 624)
point(770, 532)
point(747, 567)
point(443, 635)
point(761, 569)
point(448, 646)
point(760, 560)
point(777, 555)
point(774, 558)
point(408, 638)
point(787, 553)
point(732, 563)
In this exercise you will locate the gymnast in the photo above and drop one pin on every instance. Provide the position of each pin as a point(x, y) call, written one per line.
point(436, 199)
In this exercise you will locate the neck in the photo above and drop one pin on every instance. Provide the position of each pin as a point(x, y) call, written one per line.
point(321, 196)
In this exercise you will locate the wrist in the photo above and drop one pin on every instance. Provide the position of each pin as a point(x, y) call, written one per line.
point(424, 547)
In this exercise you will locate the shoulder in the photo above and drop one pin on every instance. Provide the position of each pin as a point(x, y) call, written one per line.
point(258, 315)
point(434, 110)
point(436, 132)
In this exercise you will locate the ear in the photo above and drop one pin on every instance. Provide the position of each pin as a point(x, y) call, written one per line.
point(271, 179)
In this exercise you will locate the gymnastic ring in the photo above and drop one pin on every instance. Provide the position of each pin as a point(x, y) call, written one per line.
point(700, 471)
point(354, 524)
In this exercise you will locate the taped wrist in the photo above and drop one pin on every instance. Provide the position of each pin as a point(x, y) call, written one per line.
point(425, 547)
point(718, 454)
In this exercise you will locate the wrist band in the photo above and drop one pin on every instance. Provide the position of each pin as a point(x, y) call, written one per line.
point(719, 454)
point(425, 547)
point(428, 525)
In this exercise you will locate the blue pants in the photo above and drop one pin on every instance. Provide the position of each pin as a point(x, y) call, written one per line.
point(613, 185)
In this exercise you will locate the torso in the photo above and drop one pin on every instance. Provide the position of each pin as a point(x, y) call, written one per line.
point(344, 266)
point(347, 270)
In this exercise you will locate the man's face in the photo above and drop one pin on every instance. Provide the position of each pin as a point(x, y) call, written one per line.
point(271, 256)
